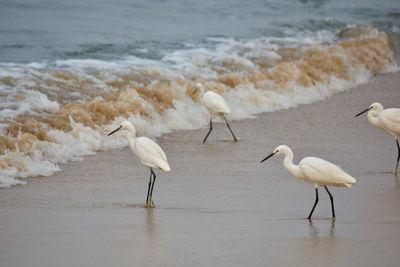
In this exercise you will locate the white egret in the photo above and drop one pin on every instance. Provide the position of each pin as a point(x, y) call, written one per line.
point(216, 105)
point(315, 171)
point(387, 120)
point(149, 153)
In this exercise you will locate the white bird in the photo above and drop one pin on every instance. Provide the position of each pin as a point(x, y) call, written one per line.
point(149, 153)
point(216, 105)
point(315, 171)
point(387, 120)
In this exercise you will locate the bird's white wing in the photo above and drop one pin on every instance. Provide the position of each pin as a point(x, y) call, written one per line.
point(215, 103)
point(390, 119)
point(150, 153)
point(322, 172)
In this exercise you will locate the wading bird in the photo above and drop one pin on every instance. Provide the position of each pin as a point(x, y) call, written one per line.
point(216, 105)
point(149, 153)
point(315, 171)
point(387, 120)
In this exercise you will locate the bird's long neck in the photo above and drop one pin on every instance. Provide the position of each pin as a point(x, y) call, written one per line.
point(131, 136)
point(201, 92)
point(373, 118)
point(289, 165)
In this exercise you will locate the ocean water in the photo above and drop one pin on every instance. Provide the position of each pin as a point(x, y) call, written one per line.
point(70, 71)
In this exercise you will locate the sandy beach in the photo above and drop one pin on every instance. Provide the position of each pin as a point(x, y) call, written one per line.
point(219, 206)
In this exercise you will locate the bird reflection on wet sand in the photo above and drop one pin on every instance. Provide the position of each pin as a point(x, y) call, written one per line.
point(315, 232)
point(150, 225)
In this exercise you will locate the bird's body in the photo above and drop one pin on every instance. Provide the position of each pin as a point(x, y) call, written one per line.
point(323, 173)
point(387, 120)
point(216, 105)
point(316, 171)
point(149, 153)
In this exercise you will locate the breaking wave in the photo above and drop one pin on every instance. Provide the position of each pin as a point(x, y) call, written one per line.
point(54, 112)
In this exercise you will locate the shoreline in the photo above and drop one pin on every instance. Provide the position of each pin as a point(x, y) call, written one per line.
point(218, 205)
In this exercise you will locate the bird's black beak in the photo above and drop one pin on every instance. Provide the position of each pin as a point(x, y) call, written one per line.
point(366, 110)
point(270, 155)
point(116, 130)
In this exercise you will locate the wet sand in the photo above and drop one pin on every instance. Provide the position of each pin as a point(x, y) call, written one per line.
point(219, 206)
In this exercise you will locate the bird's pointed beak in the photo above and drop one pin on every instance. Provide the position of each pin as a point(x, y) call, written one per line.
point(366, 110)
point(195, 90)
point(270, 155)
point(116, 130)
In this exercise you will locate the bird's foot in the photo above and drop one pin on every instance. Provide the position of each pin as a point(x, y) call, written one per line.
point(235, 140)
point(150, 203)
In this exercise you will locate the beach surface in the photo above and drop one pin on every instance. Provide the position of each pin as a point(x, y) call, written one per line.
point(219, 206)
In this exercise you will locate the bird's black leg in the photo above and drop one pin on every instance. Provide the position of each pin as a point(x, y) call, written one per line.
point(315, 204)
point(331, 197)
point(398, 156)
point(152, 186)
point(205, 138)
point(148, 189)
point(227, 124)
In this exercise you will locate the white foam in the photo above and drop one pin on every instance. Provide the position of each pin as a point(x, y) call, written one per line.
point(7, 181)
point(25, 101)
point(35, 165)
point(86, 63)
point(37, 100)
point(37, 65)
